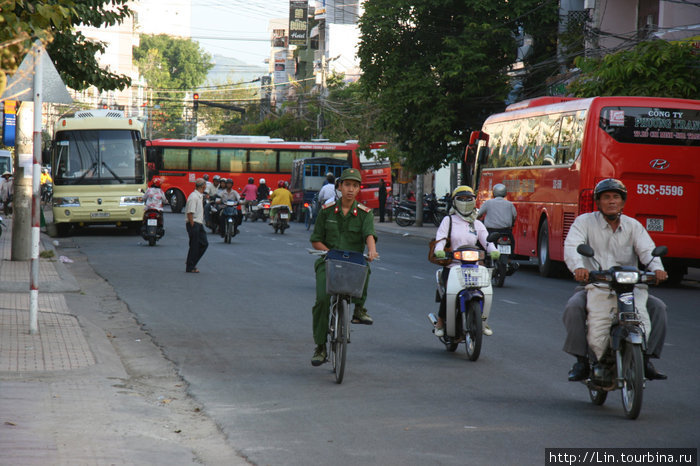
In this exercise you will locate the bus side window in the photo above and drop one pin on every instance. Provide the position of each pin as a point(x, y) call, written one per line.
point(565, 139)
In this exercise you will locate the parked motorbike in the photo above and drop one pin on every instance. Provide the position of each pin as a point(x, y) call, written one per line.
point(280, 222)
point(434, 211)
point(622, 364)
point(261, 211)
point(232, 217)
point(152, 227)
point(212, 209)
point(465, 300)
point(503, 239)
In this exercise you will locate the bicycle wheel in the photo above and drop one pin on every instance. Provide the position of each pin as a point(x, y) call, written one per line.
point(341, 347)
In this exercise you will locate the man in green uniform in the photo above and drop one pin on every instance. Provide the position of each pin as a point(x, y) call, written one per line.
point(348, 226)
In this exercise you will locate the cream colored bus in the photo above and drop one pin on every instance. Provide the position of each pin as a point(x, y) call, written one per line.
point(99, 170)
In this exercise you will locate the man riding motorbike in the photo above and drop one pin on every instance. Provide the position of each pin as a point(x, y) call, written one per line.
point(227, 194)
point(499, 215)
point(280, 196)
point(464, 230)
point(617, 240)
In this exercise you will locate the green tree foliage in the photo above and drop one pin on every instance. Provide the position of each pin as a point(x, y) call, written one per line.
point(53, 23)
point(657, 68)
point(172, 66)
point(75, 56)
point(436, 69)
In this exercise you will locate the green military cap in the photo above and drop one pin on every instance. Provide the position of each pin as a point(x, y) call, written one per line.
point(351, 174)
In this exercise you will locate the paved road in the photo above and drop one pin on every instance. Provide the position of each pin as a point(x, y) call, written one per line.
point(240, 334)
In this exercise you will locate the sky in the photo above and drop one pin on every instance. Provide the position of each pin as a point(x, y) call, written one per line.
point(220, 27)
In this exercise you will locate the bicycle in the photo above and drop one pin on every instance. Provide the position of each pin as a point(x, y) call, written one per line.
point(310, 210)
point(346, 273)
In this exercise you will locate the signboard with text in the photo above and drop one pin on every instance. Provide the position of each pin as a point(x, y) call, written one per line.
point(298, 22)
point(9, 123)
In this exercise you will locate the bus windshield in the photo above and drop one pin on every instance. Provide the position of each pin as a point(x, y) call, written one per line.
point(93, 157)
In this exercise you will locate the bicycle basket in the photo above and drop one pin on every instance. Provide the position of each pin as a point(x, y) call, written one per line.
point(346, 273)
point(475, 277)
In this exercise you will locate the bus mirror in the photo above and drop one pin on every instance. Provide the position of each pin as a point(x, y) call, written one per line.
point(46, 156)
point(484, 155)
point(150, 154)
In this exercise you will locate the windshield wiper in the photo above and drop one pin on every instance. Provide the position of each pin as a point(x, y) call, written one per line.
point(92, 167)
point(112, 172)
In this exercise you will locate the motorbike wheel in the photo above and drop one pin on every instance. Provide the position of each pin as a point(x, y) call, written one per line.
point(227, 235)
point(597, 396)
point(307, 219)
point(451, 346)
point(632, 380)
point(151, 241)
point(498, 277)
point(339, 340)
point(437, 218)
point(471, 321)
point(404, 219)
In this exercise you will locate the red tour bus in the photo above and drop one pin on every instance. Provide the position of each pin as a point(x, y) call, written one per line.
point(551, 151)
point(178, 162)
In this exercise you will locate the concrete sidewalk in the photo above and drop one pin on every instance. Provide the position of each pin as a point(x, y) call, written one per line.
point(90, 387)
point(426, 232)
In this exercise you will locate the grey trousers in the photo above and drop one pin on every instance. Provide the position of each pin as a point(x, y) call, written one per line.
point(575, 323)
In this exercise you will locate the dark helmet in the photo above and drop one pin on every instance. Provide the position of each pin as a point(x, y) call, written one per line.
point(251, 180)
point(216, 178)
point(500, 190)
point(280, 183)
point(229, 180)
point(206, 177)
point(610, 184)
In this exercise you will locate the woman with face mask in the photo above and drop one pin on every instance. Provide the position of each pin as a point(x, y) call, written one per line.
point(464, 230)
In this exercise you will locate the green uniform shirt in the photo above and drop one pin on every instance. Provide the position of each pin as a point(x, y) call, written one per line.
point(346, 232)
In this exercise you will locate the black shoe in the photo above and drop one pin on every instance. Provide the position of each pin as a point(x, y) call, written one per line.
point(650, 371)
point(579, 371)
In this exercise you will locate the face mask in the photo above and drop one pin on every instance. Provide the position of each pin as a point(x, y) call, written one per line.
point(464, 207)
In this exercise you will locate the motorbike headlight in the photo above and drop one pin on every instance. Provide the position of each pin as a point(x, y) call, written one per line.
point(627, 277)
point(471, 256)
point(131, 200)
point(66, 202)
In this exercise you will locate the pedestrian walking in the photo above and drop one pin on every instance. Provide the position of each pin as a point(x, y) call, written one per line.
point(194, 209)
point(382, 199)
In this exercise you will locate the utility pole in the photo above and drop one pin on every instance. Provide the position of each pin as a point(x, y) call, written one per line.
point(419, 200)
point(22, 185)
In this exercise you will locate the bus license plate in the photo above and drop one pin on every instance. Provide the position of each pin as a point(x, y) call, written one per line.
point(99, 214)
point(284, 216)
point(655, 224)
point(152, 222)
point(504, 248)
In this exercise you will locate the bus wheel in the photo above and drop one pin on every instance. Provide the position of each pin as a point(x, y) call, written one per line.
point(176, 199)
point(544, 260)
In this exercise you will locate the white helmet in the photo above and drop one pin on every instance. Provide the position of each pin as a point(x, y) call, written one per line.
point(262, 180)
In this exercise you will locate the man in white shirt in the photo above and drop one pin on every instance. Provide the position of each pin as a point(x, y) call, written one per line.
point(327, 192)
point(616, 240)
point(194, 210)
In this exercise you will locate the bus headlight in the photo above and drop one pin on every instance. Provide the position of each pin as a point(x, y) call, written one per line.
point(131, 200)
point(66, 202)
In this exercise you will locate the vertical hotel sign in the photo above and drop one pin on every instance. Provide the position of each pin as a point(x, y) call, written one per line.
point(9, 122)
point(298, 22)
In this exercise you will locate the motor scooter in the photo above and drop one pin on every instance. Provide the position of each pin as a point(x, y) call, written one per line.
point(434, 211)
point(465, 300)
point(212, 208)
point(622, 363)
point(261, 211)
point(232, 218)
point(152, 226)
point(280, 222)
point(47, 192)
point(503, 267)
